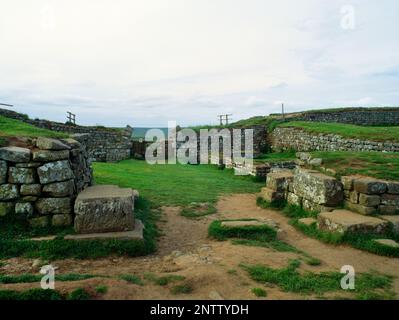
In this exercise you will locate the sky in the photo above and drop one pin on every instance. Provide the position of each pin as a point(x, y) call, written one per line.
point(147, 62)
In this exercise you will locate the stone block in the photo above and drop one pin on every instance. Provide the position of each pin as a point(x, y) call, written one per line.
point(24, 208)
point(53, 206)
point(47, 155)
point(343, 221)
point(304, 156)
point(51, 144)
point(318, 188)
point(8, 192)
point(279, 181)
point(390, 199)
point(104, 209)
point(369, 200)
point(347, 182)
point(61, 220)
point(307, 221)
point(354, 196)
point(21, 175)
point(315, 207)
point(316, 162)
point(394, 219)
point(59, 189)
point(271, 195)
point(3, 171)
point(370, 186)
point(361, 209)
point(383, 209)
point(29, 199)
point(393, 187)
point(387, 242)
point(293, 199)
point(57, 171)
point(6, 208)
point(15, 154)
point(31, 189)
point(39, 222)
point(28, 165)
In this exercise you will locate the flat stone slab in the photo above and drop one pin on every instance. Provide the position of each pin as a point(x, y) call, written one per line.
point(136, 234)
point(241, 223)
point(104, 208)
point(394, 220)
point(387, 242)
point(307, 221)
point(343, 221)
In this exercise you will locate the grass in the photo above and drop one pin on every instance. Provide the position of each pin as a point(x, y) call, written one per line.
point(289, 279)
point(198, 210)
point(259, 292)
point(375, 164)
point(31, 294)
point(30, 278)
point(79, 294)
point(132, 279)
point(101, 289)
point(12, 245)
point(185, 288)
point(262, 233)
point(163, 280)
point(275, 157)
point(174, 185)
point(11, 128)
point(390, 133)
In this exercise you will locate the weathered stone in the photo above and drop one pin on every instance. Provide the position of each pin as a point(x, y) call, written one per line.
point(55, 172)
point(136, 194)
point(59, 189)
point(104, 209)
point(243, 223)
point(394, 220)
point(51, 144)
point(8, 192)
point(24, 208)
point(316, 162)
point(315, 207)
point(28, 165)
point(390, 199)
point(347, 182)
point(15, 154)
point(369, 200)
point(47, 155)
point(71, 143)
point(29, 199)
point(6, 208)
point(307, 221)
point(369, 186)
point(383, 209)
point(344, 221)
point(31, 189)
point(39, 222)
point(21, 175)
point(279, 181)
point(354, 197)
point(318, 188)
point(3, 171)
point(393, 187)
point(293, 199)
point(61, 220)
point(304, 156)
point(387, 242)
point(271, 195)
point(361, 209)
point(54, 206)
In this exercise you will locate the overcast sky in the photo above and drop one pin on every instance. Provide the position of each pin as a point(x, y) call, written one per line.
point(145, 62)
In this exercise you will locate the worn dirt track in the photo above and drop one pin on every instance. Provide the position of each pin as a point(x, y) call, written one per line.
point(184, 249)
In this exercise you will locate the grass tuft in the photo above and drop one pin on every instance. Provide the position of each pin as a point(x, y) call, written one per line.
point(259, 292)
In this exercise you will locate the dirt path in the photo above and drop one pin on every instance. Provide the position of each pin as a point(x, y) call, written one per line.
point(211, 267)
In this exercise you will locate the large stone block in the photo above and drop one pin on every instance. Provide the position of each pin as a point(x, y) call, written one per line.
point(46, 155)
point(28, 165)
point(393, 187)
point(59, 189)
point(24, 208)
point(318, 188)
point(369, 186)
point(343, 221)
point(390, 199)
point(51, 144)
point(315, 207)
point(104, 209)
point(279, 181)
point(21, 175)
point(39, 222)
point(347, 182)
point(53, 206)
point(293, 199)
point(394, 220)
point(271, 195)
point(369, 200)
point(361, 209)
point(55, 172)
point(61, 220)
point(6, 208)
point(31, 189)
point(8, 192)
point(388, 209)
point(3, 171)
point(15, 154)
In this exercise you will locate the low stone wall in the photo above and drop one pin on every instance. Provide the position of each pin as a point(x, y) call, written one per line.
point(41, 178)
point(103, 145)
point(300, 140)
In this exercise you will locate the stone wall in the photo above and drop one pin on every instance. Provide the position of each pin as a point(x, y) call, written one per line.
point(359, 116)
point(103, 145)
point(300, 140)
point(40, 179)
